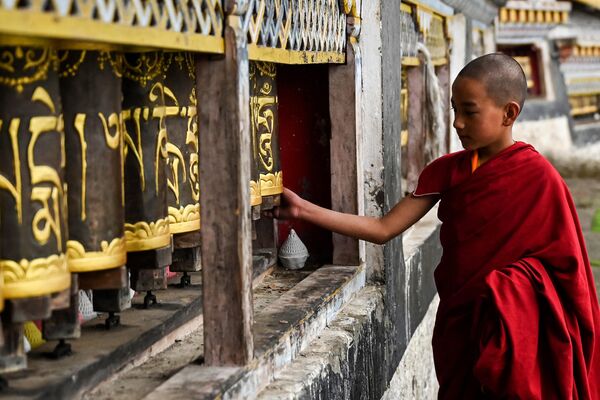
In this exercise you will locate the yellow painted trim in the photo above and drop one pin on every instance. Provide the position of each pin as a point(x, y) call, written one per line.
point(583, 80)
point(40, 25)
point(580, 94)
point(255, 197)
point(404, 138)
point(186, 226)
point(97, 263)
point(427, 8)
point(284, 56)
point(271, 184)
point(411, 61)
point(112, 255)
point(147, 236)
point(152, 243)
point(591, 3)
point(440, 61)
point(47, 285)
point(405, 8)
point(584, 111)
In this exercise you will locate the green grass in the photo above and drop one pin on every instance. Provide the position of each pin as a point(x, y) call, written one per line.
point(596, 221)
point(595, 263)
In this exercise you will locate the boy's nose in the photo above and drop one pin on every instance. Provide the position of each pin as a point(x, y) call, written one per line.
point(458, 124)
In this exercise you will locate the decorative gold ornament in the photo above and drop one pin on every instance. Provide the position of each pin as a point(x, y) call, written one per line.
point(147, 236)
point(111, 255)
point(20, 66)
point(255, 196)
point(30, 278)
point(271, 184)
point(68, 66)
point(146, 68)
point(184, 219)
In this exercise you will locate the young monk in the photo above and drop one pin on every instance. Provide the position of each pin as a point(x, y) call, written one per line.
point(518, 315)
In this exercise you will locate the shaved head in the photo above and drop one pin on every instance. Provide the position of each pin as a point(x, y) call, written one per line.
point(501, 75)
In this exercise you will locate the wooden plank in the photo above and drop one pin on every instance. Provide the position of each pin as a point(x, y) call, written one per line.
point(225, 156)
point(344, 181)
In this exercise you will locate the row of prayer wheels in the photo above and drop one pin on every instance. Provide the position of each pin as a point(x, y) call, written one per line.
point(99, 182)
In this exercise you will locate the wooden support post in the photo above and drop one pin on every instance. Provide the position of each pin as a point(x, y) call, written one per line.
point(225, 198)
point(344, 124)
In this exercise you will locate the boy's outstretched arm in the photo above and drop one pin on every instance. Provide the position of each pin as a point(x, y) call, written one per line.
point(376, 230)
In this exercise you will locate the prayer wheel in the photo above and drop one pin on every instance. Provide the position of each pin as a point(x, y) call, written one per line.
point(147, 233)
point(94, 157)
point(255, 196)
point(183, 189)
point(264, 123)
point(90, 85)
point(33, 229)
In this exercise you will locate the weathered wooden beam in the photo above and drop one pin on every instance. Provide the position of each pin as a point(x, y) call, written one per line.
point(344, 125)
point(225, 155)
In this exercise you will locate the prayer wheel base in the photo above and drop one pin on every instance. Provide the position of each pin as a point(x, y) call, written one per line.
point(143, 280)
point(12, 352)
point(268, 202)
point(149, 268)
point(64, 323)
point(186, 240)
point(255, 212)
point(114, 278)
point(186, 260)
point(28, 309)
point(111, 300)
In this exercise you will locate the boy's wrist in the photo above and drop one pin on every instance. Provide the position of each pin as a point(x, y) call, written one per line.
point(302, 209)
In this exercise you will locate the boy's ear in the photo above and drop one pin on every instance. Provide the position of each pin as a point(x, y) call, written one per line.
point(511, 112)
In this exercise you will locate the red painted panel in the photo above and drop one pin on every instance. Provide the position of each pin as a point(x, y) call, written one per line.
point(304, 133)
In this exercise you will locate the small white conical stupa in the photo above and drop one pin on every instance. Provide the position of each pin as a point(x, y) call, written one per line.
point(293, 253)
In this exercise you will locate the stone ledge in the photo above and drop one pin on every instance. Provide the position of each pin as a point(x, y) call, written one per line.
point(282, 330)
point(327, 366)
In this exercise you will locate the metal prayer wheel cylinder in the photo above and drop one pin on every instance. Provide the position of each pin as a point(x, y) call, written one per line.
point(145, 162)
point(264, 123)
point(32, 186)
point(91, 91)
point(183, 189)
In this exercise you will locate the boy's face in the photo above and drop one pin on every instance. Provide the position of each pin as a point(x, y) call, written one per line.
point(478, 120)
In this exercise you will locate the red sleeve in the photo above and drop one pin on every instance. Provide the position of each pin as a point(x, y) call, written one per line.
point(435, 178)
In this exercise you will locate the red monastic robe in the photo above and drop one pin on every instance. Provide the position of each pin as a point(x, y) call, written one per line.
point(518, 315)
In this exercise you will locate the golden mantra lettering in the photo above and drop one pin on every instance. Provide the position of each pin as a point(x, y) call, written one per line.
point(191, 139)
point(263, 116)
point(47, 220)
point(157, 93)
point(175, 157)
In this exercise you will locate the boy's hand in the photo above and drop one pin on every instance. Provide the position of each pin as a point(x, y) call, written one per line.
point(290, 207)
